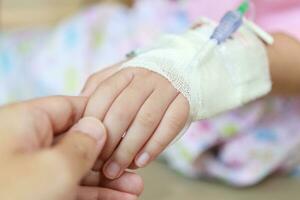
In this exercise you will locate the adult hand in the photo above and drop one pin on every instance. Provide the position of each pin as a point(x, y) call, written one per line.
point(33, 167)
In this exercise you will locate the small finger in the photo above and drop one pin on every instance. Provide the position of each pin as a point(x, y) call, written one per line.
point(141, 129)
point(106, 93)
point(170, 126)
point(122, 112)
point(94, 80)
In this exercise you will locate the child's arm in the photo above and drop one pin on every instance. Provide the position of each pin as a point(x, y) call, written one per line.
point(284, 58)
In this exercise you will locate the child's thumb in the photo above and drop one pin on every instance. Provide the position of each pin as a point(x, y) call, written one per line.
point(81, 146)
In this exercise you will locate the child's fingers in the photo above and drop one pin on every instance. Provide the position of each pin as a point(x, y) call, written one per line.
point(140, 130)
point(122, 112)
point(95, 79)
point(171, 124)
point(106, 93)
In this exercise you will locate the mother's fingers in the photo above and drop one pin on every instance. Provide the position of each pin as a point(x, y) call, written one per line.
point(128, 182)
point(92, 193)
point(61, 111)
point(31, 124)
point(55, 172)
point(80, 147)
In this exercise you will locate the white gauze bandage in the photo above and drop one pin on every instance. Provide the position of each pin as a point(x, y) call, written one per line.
point(214, 78)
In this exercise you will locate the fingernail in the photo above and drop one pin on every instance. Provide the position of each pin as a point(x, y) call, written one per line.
point(143, 160)
point(112, 170)
point(90, 126)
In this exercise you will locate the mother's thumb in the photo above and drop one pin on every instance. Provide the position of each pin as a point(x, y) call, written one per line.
point(81, 146)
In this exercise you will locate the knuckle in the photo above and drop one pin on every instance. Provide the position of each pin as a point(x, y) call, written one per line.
point(125, 70)
point(95, 79)
point(135, 89)
point(127, 76)
point(169, 87)
point(158, 145)
point(44, 125)
point(68, 106)
point(65, 102)
point(92, 79)
point(107, 87)
point(119, 115)
point(176, 122)
point(91, 83)
point(147, 119)
point(36, 112)
point(127, 73)
point(185, 103)
point(135, 71)
point(125, 156)
point(129, 152)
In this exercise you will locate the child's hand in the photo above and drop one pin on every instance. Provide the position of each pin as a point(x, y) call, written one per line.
point(141, 104)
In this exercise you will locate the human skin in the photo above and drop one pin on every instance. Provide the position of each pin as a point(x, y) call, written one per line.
point(33, 166)
point(284, 57)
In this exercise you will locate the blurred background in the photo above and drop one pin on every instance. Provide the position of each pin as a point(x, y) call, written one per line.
point(18, 13)
point(160, 181)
